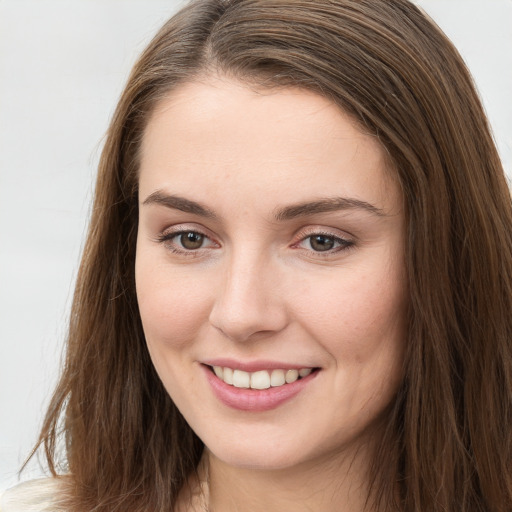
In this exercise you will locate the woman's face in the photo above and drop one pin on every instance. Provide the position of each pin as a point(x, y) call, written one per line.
point(270, 251)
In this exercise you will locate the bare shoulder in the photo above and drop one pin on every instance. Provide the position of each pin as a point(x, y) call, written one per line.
point(33, 496)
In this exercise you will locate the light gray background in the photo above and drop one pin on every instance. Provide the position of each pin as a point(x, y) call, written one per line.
point(62, 67)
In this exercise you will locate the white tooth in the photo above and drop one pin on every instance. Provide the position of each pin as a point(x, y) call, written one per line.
point(241, 379)
point(277, 378)
point(227, 375)
point(291, 376)
point(304, 372)
point(260, 380)
point(218, 371)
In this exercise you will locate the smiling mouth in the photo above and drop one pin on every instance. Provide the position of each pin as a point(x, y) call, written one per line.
point(263, 379)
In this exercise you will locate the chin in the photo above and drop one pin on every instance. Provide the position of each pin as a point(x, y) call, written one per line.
point(257, 451)
point(260, 459)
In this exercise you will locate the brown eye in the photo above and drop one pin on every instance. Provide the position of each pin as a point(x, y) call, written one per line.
point(321, 242)
point(191, 240)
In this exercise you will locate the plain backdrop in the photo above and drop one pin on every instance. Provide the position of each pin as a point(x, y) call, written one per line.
point(63, 64)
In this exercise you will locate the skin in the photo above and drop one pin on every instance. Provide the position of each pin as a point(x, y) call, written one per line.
point(258, 288)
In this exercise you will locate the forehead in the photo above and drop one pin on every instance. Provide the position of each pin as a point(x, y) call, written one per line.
point(222, 134)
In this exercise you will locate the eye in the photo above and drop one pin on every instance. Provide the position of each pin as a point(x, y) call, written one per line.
point(190, 240)
point(324, 243)
point(321, 242)
point(183, 241)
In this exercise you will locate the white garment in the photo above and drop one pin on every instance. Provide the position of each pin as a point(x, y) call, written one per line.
point(32, 496)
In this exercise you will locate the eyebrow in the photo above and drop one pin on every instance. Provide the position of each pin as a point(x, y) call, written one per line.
point(326, 205)
point(179, 203)
point(281, 214)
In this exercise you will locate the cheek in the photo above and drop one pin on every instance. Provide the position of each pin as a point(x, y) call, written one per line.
point(362, 327)
point(359, 316)
point(172, 307)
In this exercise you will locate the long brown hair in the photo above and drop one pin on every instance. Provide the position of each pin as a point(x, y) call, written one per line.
point(447, 444)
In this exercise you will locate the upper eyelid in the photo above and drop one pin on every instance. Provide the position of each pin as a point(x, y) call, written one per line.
point(169, 235)
point(304, 233)
point(184, 228)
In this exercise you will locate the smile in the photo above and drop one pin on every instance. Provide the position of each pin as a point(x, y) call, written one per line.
point(263, 379)
point(260, 386)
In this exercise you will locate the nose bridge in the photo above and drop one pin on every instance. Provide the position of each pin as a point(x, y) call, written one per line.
point(247, 302)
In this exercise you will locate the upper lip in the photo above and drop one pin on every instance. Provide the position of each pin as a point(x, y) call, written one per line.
point(254, 366)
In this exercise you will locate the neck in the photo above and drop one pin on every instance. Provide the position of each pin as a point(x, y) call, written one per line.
point(338, 484)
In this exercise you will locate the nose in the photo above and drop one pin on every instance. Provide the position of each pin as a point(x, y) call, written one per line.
point(248, 303)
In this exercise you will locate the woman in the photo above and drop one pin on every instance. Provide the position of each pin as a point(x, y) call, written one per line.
point(296, 287)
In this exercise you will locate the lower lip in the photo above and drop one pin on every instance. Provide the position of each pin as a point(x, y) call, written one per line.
point(255, 400)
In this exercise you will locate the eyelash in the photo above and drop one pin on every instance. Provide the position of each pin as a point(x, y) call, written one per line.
point(166, 238)
point(340, 244)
